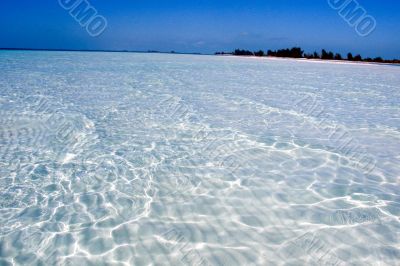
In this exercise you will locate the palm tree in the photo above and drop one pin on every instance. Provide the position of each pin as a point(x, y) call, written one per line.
point(358, 58)
point(338, 57)
point(259, 53)
point(350, 57)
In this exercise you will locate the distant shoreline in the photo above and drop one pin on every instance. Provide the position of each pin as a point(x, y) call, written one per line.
point(343, 62)
point(217, 55)
point(298, 53)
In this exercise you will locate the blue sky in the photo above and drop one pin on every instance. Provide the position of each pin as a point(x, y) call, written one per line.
point(201, 26)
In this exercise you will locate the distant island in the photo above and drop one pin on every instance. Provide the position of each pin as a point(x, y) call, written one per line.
point(297, 52)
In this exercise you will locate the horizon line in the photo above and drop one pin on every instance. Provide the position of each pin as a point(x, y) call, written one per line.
point(150, 51)
point(100, 50)
point(156, 52)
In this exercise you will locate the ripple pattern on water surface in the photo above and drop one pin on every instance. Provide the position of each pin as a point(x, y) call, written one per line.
point(134, 159)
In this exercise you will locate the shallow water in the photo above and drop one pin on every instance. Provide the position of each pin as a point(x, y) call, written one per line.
point(139, 159)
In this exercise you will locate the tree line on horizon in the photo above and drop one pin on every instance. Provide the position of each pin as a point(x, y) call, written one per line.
point(297, 52)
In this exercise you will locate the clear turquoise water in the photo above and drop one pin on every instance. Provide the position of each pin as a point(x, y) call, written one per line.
point(151, 159)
